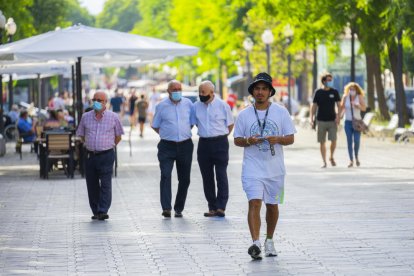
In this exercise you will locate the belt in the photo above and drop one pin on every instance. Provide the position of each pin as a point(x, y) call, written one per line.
point(98, 152)
point(213, 138)
point(175, 143)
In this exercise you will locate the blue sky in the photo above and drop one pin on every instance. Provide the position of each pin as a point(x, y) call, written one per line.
point(94, 6)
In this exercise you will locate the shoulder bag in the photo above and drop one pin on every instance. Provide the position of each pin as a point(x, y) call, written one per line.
point(357, 125)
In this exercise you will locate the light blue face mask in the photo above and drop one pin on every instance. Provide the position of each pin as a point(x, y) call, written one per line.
point(176, 96)
point(97, 106)
point(329, 83)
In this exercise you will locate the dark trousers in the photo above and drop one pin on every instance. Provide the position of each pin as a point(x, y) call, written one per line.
point(98, 171)
point(214, 154)
point(182, 154)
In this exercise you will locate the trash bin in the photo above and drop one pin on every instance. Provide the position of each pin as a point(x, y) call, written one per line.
point(2, 146)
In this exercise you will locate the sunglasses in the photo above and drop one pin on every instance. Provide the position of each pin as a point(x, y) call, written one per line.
point(98, 100)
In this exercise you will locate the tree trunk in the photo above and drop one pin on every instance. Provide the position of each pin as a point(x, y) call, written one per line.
point(382, 105)
point(395, 57)
point(304, 80)
point(315, 68)
point(370, 81)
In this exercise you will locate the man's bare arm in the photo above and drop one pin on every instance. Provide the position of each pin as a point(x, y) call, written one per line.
point(282, 140)
point(117, 139)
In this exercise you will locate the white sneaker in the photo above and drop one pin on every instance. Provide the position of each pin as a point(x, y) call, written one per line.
point(270, 250)
point(255, 252)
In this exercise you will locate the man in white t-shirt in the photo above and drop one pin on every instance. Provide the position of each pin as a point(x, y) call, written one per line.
point(262, 129)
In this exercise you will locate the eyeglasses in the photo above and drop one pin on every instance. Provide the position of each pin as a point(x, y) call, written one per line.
point(98, 100)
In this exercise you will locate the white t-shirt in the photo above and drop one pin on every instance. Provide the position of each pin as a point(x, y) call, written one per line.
point(348, 113)
point(258, 161)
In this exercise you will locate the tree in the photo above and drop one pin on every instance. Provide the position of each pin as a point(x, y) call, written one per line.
point(77, 14)
point(17, 9)
point(48, 14)
point(396, 19)
point(121, 15)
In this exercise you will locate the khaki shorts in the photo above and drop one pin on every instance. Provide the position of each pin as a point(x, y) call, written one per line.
point(324, 127)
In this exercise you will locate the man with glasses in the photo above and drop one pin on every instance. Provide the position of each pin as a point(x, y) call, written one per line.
point(262, 129)
point(173, 120)
point(101, 131)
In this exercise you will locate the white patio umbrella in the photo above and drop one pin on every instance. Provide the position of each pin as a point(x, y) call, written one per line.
point(92, 44)
point(81, 43)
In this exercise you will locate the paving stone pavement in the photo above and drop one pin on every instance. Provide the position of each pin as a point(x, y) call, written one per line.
point(335, 221)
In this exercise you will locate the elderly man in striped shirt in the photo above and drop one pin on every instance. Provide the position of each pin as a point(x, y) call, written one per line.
point(101, 131)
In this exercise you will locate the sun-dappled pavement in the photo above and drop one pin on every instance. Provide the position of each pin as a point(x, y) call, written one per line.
point(335, 221)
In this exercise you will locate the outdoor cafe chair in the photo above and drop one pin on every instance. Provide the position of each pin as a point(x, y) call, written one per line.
point(59, 147)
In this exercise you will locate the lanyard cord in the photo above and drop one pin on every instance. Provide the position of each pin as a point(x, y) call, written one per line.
point(264, 120)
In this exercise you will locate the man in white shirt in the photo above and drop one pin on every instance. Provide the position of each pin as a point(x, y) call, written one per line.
point(214, 121)
point(262, 129)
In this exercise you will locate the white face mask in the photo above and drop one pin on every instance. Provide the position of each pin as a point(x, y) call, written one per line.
point(352, 92)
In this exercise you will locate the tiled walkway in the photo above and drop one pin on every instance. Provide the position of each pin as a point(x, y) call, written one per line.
point(335, 221)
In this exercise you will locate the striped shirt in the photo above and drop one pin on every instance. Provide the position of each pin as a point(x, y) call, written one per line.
point(100, 134)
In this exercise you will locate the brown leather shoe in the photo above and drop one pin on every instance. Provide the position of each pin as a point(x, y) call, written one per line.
point(211, 213)
point(166, 213)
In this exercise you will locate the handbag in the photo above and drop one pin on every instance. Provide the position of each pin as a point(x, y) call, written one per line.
point(357, 125)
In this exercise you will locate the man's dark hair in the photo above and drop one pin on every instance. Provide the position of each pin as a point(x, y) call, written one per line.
point(325, 76)
point(142, 97)
point(23, 114)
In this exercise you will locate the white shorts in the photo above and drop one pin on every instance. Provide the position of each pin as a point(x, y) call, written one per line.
point(270, 190)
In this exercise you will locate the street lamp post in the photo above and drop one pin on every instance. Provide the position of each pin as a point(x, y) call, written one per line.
point(248, 46)
point(289, 36)
point(352, 54)
point(267, 38)
point(2, 26)
point(11, 30)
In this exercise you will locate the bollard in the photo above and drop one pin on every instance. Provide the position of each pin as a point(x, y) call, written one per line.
point(2, 146)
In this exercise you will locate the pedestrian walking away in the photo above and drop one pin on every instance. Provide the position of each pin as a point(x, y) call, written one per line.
point(173, 120)
point(262, 129)
point(117, 103)
point(141, 109)
point(327, 119)
point(352, 104)
point(214, 121)
point(131, 107)
point(101, 131)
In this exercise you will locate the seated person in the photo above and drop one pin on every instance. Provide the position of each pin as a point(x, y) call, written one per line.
point(26, 127)
point(68, 117)
point(14, 114)
point(52, 121)
point(61, 118)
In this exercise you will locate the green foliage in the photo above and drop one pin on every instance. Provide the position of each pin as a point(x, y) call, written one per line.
point(121, 15)
point(17, 9)
point(155, 19)
point(48, 14)
point(77, 14)
point(38, 16)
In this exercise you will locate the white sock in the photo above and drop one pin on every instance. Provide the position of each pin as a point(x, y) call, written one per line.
point(257, 242)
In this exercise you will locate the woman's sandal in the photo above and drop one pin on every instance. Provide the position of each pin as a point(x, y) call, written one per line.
point(351, 164)
point(358, 163)
point(333, 163)
point(323, 165)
